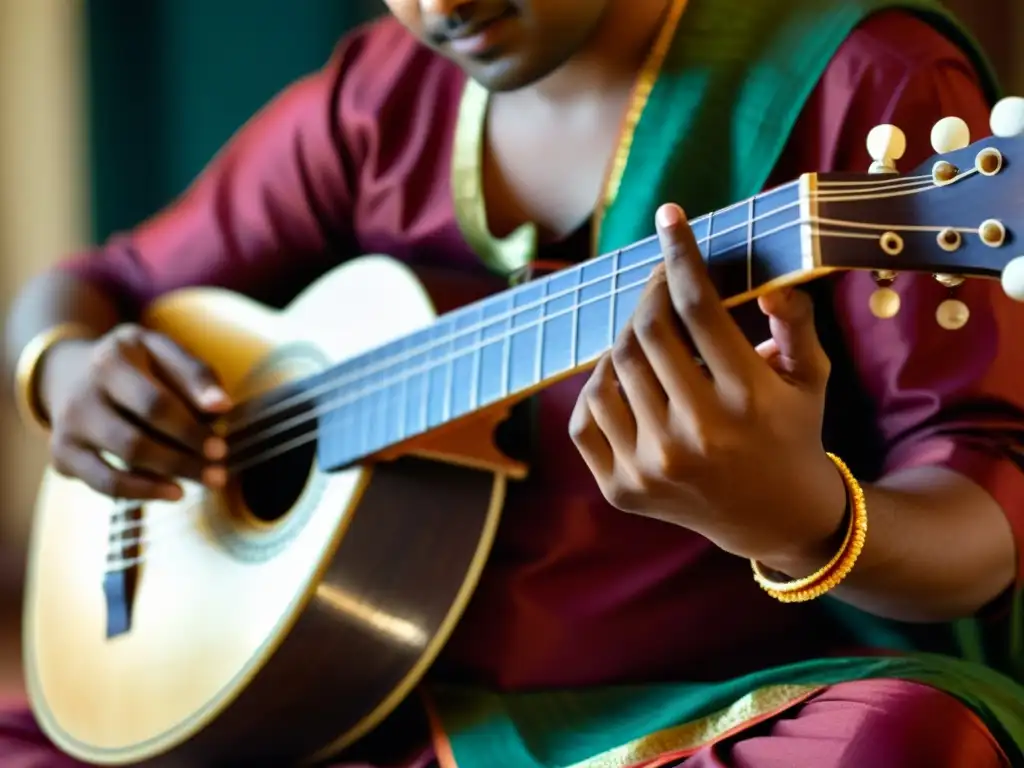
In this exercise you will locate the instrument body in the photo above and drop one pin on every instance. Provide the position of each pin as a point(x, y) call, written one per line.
point(256, 643)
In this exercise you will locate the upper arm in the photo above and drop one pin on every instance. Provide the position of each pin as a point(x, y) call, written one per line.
point(268, 213)
point(941, 398)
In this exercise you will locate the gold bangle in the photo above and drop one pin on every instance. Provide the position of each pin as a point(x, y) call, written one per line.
point(839, 567)
point(26, 395)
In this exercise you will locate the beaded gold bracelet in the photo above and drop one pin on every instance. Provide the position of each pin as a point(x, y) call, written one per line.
point(26, 394)
point(838, 568)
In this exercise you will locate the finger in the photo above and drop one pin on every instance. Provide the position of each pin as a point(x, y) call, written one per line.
point(661, 338)
point(189, 376)
point(644, 394)
point(718, 340)
point(609, 409)
point(162, 410)
point(104, 429)
point(591, 442)
point(85, 465)
point(791, 319)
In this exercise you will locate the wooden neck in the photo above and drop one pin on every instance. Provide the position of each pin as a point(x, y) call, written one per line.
point(510, 345)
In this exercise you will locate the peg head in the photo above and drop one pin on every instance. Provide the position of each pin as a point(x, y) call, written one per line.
point(952, 314)
point(886, 144)
point(950, 134)
point(1013, 279)
point(1007, 118)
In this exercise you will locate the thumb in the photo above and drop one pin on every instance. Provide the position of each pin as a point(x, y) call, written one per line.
point(797, 349)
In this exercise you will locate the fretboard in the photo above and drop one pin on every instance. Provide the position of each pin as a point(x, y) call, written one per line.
point(516, 342)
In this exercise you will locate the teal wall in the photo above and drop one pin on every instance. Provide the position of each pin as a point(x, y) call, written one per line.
point(169, 81)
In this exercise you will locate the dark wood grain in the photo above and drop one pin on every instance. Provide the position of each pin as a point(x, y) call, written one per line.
point(406, 552)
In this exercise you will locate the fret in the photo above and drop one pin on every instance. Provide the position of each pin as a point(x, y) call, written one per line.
point(511, 342)
point(377, 401)
point(538, 363)
point(560, 323)
point(595, 295)
point(478, 338)
point(611, 304)
point(492, 355)
point(465, 363)
point(750, 244)
point(414, 418)
point(708, 245)
point(424, 414)
point(438, 357)
point(528, 308)
point(449, 374)
point(636, 264)
point(363, 416)
point(403, 399)
point(574, 323)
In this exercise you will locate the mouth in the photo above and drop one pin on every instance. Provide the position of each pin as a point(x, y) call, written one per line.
point(480, 36)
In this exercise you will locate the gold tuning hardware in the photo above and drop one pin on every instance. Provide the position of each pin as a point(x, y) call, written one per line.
point(950, 281)
point(884, 302)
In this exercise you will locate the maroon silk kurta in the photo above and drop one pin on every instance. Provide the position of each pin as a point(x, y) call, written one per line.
point(356, 159)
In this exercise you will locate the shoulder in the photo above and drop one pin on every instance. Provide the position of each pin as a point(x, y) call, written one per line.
point(898, 41)
point(381, 66)
point(894, 68)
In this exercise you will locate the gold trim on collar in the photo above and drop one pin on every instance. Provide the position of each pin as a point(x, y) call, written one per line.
point(511, 254)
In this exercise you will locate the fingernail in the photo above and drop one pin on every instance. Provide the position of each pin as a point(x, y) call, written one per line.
point(215, 448)
point(215, 477)
point(211, 397)
point(171, 493)
point(669, 216)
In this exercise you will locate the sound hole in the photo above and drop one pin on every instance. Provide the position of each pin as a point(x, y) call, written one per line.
point(276, 452)
point(272, 489)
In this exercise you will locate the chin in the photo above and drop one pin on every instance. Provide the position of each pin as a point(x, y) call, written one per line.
point(509, 72)
point(502, 76)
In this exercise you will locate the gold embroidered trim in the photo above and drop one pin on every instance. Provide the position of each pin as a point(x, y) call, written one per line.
point(511, 254)
point(637, 103)
point(508, 255)
point(753, 708)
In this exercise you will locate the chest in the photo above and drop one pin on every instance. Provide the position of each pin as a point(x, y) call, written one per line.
point(548, 168)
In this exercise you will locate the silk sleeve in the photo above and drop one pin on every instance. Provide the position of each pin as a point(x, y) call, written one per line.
point(268, 214)
point(944, 398)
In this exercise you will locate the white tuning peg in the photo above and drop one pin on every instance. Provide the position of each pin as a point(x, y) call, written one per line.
point(1013, 279)
point(1007, 118)
point(886, 145)
point(950, 134)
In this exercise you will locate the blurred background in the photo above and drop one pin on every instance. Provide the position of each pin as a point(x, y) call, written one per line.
point(108, 108)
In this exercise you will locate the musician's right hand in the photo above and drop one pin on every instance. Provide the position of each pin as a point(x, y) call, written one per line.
point(136, 395)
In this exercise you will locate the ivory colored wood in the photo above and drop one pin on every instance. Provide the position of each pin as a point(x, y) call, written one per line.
point(206, 621)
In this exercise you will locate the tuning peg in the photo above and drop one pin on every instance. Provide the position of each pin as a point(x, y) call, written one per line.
point(1013, 279)
point(886, 145)
point(950, 134)
point(1007, 118)
point(884, 302)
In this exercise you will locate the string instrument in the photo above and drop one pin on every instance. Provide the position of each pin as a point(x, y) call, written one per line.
point(279, 621)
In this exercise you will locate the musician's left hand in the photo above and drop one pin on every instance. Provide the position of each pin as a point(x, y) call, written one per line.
point(733, 452)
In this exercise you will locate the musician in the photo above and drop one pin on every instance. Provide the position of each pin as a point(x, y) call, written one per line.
point(484, 135)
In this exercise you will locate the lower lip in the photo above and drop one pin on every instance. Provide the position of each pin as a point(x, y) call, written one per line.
point(482, 41)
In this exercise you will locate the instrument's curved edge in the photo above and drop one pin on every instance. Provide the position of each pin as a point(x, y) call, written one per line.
point(444, 631)
point(187, 729)
point(308, 638)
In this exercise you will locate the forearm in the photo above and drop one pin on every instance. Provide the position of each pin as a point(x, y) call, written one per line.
point(938, 548)
point(48, 301)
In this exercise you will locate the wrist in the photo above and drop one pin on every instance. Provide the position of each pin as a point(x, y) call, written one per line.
point(55, 369)
point(822, 533)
